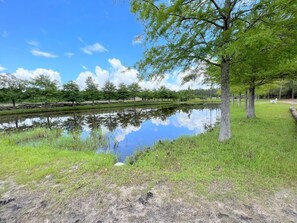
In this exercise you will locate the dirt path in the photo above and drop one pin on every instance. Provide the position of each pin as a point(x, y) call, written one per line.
point(134, 204)
point(289, 101)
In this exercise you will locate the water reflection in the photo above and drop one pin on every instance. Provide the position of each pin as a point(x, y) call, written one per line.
point(125, 130)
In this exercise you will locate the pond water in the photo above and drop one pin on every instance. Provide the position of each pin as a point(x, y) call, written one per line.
point(124, 131)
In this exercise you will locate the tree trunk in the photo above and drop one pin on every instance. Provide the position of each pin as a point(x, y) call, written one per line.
point(239, 100)
point(293, 91)
point(232, 99)
point(280, 91)
point(16, 121)
point(225, 129)
point(251, 107)
point(48, 122)
point(13, 103)
point(246, 99)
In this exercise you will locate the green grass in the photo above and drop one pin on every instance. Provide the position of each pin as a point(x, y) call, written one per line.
point(28, 164)
point(261, 156)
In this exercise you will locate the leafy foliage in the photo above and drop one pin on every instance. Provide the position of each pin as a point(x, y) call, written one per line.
point(71, 92)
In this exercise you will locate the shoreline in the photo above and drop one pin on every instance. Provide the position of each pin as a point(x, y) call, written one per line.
point(105, 106)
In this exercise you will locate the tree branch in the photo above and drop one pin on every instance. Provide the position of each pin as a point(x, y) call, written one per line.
point(194, 18)
point(218, 9)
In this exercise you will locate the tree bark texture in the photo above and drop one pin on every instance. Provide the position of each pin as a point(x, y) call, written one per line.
point(246, 99)
point(280, 91)
point(251, 106)
point(239, 99)
point(225, 130)
point(233, 99)
point(13, 104)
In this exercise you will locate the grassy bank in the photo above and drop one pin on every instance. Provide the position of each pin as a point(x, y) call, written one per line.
point(112, 105)
point(261, 156)
point(55, 157)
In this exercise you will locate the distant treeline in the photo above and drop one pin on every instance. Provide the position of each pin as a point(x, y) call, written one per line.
point(43, 90)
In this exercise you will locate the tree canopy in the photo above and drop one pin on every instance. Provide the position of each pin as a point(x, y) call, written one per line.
point(182, 34)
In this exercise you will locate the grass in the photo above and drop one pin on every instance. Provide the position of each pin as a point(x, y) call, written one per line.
point(53, 156)
point(261, 156)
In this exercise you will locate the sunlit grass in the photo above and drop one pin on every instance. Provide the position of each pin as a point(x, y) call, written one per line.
point(53, 156)
point(261, 156)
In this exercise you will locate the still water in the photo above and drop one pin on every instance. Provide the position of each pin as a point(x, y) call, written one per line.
point(125, 130)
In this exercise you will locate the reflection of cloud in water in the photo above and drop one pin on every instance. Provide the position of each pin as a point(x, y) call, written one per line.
point(29, 121)
point(194, 121)
point(158, 121)
point(121, 133)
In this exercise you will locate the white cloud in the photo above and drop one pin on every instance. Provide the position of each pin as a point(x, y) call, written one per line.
point(101, 75)
point(158, 121)
point(40, 53)
point(196, 120)
point(96, 47)
point(121, 133)
point(82, 77)
point(25, 74)
point(69, 54)
point(118, 73)
point(84, 67)
point(2, 68)
point(33, 43)
point(121, 74)
point(137, 40)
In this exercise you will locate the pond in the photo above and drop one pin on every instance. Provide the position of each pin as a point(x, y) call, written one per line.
point(122, 131)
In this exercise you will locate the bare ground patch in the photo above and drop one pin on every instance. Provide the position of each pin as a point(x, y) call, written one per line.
point(138, 204)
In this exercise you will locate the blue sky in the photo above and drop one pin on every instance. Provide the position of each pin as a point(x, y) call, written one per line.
point(72, 39)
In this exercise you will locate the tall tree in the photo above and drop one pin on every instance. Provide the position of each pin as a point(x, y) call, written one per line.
point(134, 90)
point(12, 88)
point(71, 92)
point(109, 90)
point(91, 91)
point(186, 33)
point(122, 92)
point(45, 89)
point(267, 52)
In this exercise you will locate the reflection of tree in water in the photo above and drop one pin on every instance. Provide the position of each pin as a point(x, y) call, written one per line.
point(210, 124)
point(93, 121)
point(163, 113)
point(74, 123)
point(16, 121)
point(46, 122)
point(133, 116)
point(111, 120)
point(123, 118)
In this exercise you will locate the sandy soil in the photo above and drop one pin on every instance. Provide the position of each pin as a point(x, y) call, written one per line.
point(135, 204)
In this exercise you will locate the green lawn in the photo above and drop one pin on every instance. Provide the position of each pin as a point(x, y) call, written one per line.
point(260, 156)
